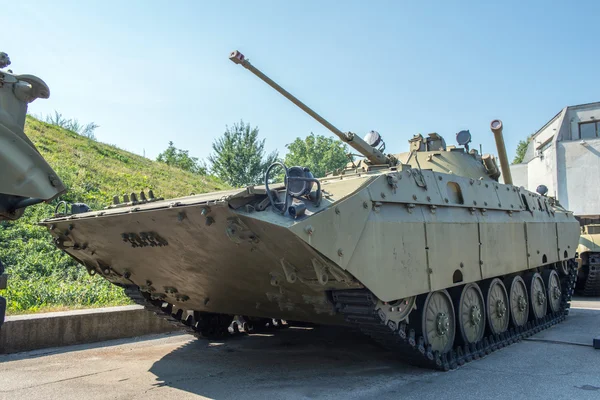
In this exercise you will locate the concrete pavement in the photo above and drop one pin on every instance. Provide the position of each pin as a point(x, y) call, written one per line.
point(329, 363)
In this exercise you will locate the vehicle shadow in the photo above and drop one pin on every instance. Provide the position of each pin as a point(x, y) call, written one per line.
point(289, 363)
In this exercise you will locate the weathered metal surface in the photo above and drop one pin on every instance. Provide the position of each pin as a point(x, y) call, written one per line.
point(373, 154)
point(588, 250)
point(406, 340)
point(376, 244)
point(27, 178)
point(496, 126)
point(589, 240)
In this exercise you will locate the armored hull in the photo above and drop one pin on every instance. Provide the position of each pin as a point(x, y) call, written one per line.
point(399, 234)
point(426, 252)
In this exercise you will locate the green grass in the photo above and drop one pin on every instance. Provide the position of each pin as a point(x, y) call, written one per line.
point(43, 278)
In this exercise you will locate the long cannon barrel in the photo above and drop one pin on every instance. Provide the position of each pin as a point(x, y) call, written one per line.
point(372, 154)
point(496, 127)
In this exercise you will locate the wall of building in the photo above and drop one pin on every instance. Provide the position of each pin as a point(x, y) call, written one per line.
point(575, 115)
point(543, 136)
point(569, 168)
point(541, 170)
point(579, 176)
point(519, 175)
point(547, 133)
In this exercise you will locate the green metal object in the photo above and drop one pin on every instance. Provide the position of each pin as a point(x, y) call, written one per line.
point(588, 251)
point(497, 311)
point(497, 126)
point(537, 294)
point(553, 291)
point(519, 306)
point(438, 321)
point(26, 178)
point(388, 244)
point(371, 153)
point(470, 313)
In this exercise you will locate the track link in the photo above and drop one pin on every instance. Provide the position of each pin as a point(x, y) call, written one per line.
point(202, 325)
point(159, 308)
point(592, 281)
point(358, 307)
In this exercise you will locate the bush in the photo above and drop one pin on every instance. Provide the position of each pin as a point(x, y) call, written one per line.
point(41, 277)
point(47, 293)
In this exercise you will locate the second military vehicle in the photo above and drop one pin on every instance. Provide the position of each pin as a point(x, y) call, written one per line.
point(588, 274)
point(424, 251)
point(26, 178)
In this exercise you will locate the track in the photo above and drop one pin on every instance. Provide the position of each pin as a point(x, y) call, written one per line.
point(202, 325)
point(592, 281)
point(358, 306)
point(160, 309)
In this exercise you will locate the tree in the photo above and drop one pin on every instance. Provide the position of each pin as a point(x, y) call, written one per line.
point(239, 158)
point(521, 150)
point(181, 159)
point(319, 153)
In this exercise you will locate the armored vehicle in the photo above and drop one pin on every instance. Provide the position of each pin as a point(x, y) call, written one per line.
point(424, 251)
point(26, 178)
point(588, 251)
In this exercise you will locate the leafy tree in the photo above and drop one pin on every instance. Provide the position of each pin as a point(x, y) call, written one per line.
point(521, 150)
point(319, 153)
point(239, 156)
point(181, 159)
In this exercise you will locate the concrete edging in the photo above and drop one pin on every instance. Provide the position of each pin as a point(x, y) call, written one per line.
point(39, 331)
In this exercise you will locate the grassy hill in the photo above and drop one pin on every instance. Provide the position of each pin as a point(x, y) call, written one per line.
point(43, 278)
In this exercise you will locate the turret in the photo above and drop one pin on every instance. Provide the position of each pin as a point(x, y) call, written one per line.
point(374, 155)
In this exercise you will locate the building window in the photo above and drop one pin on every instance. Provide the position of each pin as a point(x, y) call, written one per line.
point(543, 146)
point(589, 130)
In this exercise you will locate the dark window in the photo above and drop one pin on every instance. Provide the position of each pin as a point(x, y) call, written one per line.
point(589, 130)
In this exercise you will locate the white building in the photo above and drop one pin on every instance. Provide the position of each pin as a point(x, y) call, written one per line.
point(564, 155)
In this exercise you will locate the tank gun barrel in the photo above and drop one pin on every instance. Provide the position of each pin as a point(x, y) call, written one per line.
point(496, 127)
point(372, 154)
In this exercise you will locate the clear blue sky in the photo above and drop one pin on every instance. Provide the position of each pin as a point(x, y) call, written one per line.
point(152, 71)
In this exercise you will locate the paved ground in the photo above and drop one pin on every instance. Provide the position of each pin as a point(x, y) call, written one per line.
point(305, 364)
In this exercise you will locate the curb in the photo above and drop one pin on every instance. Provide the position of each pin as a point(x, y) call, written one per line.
point(40, 331)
